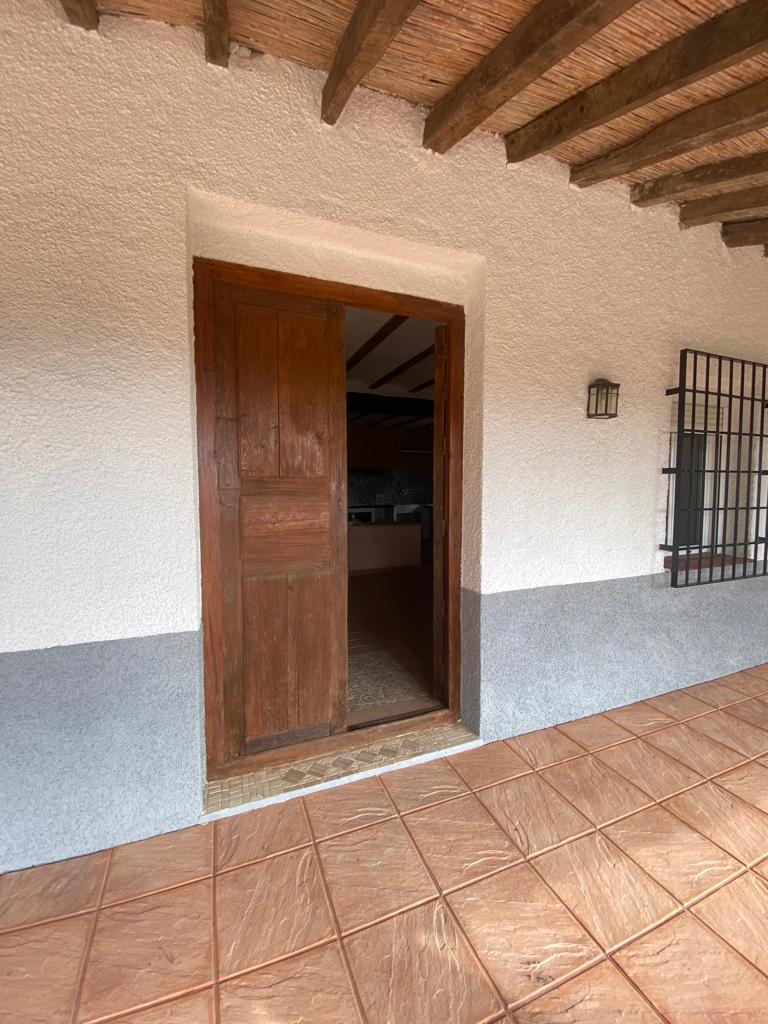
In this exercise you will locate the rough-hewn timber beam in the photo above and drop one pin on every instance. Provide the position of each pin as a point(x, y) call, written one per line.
point(735, 36)
point(745, 232)
point(371, 29)
point(549, 32)
point(82, 13)
point(398, 370)
point(216, 29)
point(688, 184)
point(724, 118)
point(376, 339)
point(747, 204)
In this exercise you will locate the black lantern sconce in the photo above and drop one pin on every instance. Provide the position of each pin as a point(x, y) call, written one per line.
point(602, 400)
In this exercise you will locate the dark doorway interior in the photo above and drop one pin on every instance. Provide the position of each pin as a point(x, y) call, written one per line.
point(394, 523)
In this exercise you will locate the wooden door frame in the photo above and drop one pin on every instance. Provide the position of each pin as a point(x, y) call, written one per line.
point(206, 273)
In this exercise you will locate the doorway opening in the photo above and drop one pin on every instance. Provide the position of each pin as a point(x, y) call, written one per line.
point(329, 450)
point(394, 522)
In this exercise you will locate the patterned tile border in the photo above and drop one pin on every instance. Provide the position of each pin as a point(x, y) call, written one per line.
point(224, 794)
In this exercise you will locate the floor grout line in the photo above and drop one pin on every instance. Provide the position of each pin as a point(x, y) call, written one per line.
point(334, 919)
point(89, 941)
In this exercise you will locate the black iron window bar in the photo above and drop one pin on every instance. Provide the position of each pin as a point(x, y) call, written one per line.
point(717, 499)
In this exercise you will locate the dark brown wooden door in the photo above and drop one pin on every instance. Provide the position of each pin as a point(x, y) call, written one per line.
point(271, 412)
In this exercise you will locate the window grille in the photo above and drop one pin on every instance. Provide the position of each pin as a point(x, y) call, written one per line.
point(717, 499)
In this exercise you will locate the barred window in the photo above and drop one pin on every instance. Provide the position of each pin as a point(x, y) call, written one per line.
point(717, 499)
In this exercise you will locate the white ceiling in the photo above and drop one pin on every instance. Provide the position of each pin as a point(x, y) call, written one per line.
point(410, 338)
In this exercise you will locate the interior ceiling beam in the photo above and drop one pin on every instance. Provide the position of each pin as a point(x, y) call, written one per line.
point(372, 27)
point(747, 204)
point(549, 32)
point(398, 370)
point(746, 232)
point(423, 386)
point(82, 13)
point(216, 31)
point(376, 339)
point(688, 184)
point(717, 44)
point(725, 118)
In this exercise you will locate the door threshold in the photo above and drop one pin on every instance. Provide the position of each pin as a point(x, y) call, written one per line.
point(369, 756)
point(395, 711)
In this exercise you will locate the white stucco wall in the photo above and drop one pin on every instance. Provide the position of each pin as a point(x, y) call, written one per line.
point(102, 137)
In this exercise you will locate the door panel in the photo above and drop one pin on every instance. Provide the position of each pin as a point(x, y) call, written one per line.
point(271, 391)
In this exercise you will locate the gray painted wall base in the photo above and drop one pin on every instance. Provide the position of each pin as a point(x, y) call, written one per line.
point(556, 653)
point(102, 743)
point(99, 744)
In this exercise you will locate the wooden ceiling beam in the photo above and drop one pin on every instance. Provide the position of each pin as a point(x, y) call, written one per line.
point(688, 184)
point(398, 370)
point(745, 232)
point(82, 13)
point(724, 118)
point(745, 205)
point(216, 31)
point(549, 32)
point(372, 27)
point(387, 328)
point(717, 44)
point(422, 387)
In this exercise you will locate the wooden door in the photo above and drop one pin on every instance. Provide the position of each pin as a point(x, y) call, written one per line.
point(271, 413)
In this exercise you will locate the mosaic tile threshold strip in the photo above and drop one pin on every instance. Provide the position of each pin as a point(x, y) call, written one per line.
point(223, 794)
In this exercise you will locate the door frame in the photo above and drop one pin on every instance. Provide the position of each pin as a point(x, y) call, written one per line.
point(205, 273)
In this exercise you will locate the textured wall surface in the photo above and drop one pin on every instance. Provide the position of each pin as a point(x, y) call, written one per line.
point(102, 135)
point(551, 654)
point(99, 744)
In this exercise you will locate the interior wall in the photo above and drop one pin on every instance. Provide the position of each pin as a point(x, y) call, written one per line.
point(104, 138)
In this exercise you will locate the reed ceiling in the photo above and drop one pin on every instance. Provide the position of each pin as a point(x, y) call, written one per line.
point(526, 57)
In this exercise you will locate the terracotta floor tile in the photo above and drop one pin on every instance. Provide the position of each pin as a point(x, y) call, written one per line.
point(754, 711)
point(493, 762)
point(595, 732)
point(740, 736)
point(649, 769)
point(423, 784)
point(148, 949)
point(739, 913)
point(715, 693)
point(523, 934)
point(748, 781)
point(39, 971)
point(533, 813)
point(372, 873)
point(595, 789)
point(544, 747)
point(758, 670)
point(349, 806)
point(312, 987)
point(678, 857)
point(640, 718)
point(605, 889)
point(267, 910)
point(152, 864)
point(679, 704)
point(694, 978)
point(601, 995)
point(247, 837)
point(460, 841)
point(694, 749)
point(737, 827)
point(747, 683)
point(416, 967)
point(195, 1009)
point(51, 890)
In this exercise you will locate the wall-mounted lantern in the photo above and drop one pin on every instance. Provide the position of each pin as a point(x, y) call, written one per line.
point(603, 400)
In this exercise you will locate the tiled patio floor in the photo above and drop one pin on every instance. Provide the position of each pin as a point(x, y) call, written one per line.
point(612, 869)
